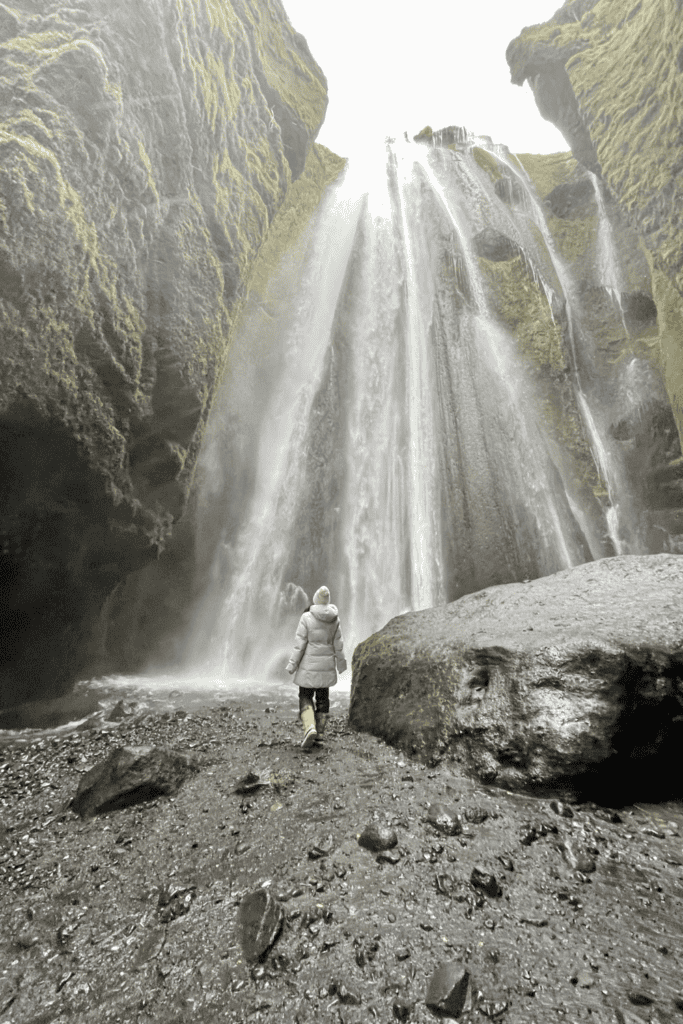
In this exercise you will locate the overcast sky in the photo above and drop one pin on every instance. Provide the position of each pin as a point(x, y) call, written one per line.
point(443, 64)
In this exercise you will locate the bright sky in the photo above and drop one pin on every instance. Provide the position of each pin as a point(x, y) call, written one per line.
point(443, 64)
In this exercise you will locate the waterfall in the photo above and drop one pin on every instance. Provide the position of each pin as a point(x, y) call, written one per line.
point(379, 429)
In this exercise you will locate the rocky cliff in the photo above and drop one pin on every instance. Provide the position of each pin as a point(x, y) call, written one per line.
point(144, 151)
point(609, 74)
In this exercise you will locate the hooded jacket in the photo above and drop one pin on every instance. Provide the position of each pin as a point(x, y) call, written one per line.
point(318, 645)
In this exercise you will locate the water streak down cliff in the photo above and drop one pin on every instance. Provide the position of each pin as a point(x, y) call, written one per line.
point(144, 151)
point(457, 395)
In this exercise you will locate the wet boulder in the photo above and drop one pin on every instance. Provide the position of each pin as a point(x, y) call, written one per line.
point(574, 678)
point(131, 775)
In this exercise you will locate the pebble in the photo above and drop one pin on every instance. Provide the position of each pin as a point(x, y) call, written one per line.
point(259, 920)
point(444, 819)
point(449, 989)
point(563, 810)
point(375, 838)
point(488, 883)
point(577, 858)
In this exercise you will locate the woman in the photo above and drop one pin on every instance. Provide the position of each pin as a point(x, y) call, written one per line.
point(318, 655)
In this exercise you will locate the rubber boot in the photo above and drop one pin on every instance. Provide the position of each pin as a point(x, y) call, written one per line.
point(308, 719)
point(320, 723)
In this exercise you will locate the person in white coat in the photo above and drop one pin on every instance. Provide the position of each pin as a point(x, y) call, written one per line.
point(317, 657)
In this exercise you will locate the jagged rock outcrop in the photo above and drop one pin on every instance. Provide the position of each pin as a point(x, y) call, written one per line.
point(609, 74)
point(144, 151)
point(537, 684)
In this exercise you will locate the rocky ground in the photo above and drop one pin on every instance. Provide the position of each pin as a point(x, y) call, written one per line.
point(132, 916)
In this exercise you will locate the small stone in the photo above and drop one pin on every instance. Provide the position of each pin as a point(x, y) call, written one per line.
point(507, 863)
point(444, 819)
point(528, 835)
point(481, 879)
point(248, 783)
point(583, 979)
point(577, 858)
point(388, 857)
point(444, 884)
point(475, 815)
point(449, 989)
point(375, 838)
point(323, 848)
point(402, 953)
point(563, 810)
point(259, 920)
point(344, 994)
point(639, 998)
point(491, 1009)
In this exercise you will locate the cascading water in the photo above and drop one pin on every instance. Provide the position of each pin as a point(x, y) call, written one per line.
point(403, 458)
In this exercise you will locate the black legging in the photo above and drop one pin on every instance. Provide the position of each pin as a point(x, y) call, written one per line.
point(321, 703)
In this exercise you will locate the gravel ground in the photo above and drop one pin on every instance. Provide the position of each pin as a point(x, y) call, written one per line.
point(131, 916)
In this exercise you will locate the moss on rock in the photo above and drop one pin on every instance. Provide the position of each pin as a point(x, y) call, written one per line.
point(144, 152)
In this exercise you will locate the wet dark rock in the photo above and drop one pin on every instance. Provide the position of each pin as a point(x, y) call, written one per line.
point(493, 245)
point(573, 199)
point(131, 775)
point(377, 837)
point(510, 190)
point(609, 666)
point(259, 921)
point(577, 858)
point(444, 819)
point(485, 881)
point(449, 989)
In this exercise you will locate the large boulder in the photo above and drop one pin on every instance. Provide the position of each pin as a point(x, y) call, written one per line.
point(537, 684)
point(144, 151)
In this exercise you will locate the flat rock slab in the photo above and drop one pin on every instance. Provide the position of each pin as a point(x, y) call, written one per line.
point(534, 684)
point(131, 775)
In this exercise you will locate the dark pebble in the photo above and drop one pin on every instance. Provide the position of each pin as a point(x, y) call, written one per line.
point(375, 838)
point(481, 879)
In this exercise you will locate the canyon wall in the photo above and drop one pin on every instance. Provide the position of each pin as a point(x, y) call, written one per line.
point(144, 151)
point(609, 74)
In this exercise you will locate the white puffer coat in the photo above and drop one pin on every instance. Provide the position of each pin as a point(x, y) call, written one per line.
point(317, 647)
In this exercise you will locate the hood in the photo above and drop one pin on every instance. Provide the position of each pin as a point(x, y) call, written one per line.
point(324, 612)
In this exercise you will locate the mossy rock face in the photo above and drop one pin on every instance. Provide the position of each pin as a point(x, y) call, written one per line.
point(144, 152)
point(608, 73)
